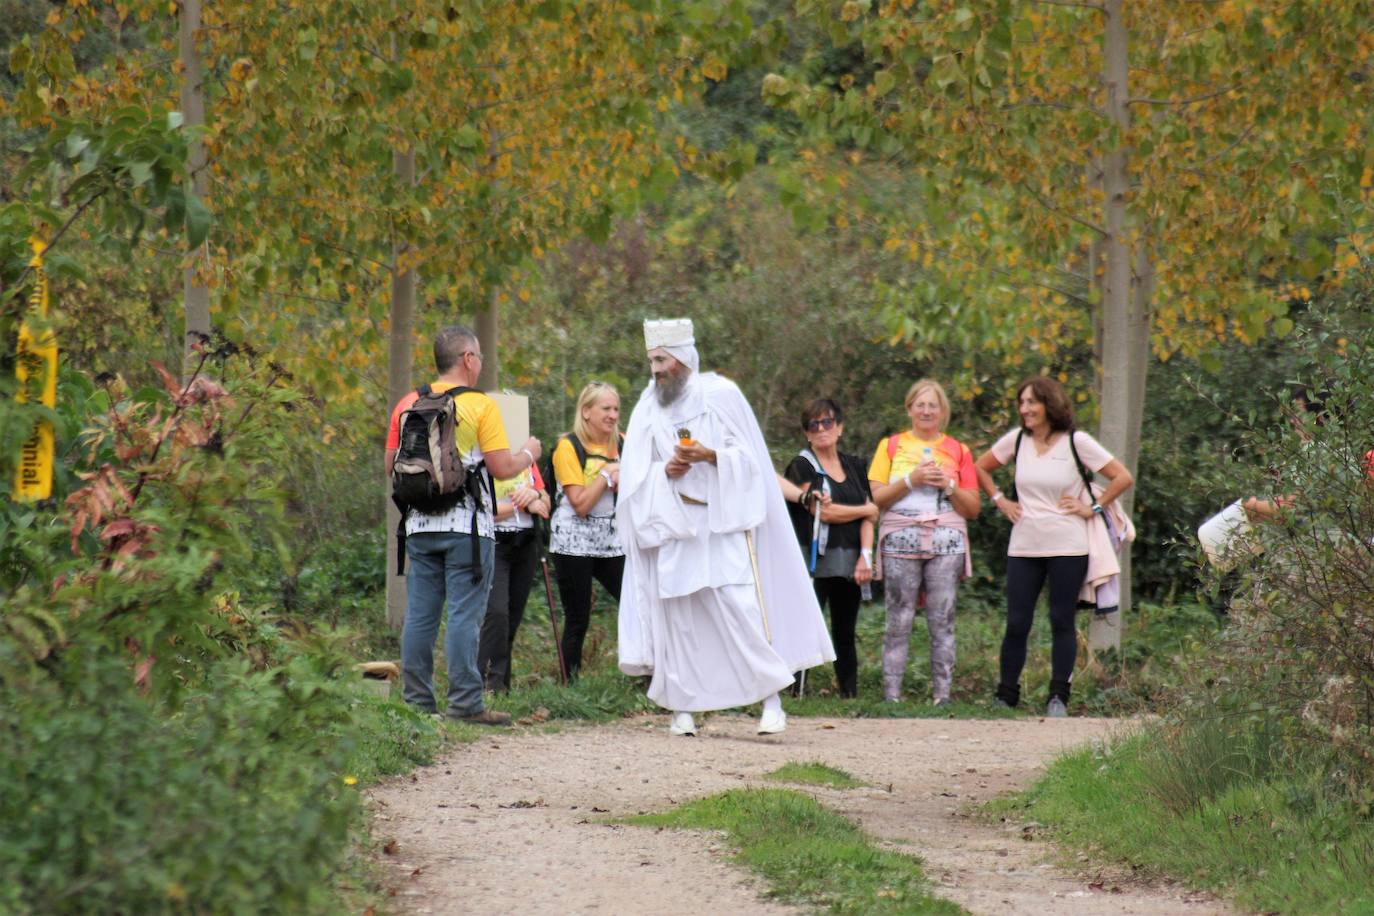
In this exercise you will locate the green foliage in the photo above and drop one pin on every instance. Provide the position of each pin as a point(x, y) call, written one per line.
point(1301, 620)
point(127, 167)
point(388, 737)
point(596, 696)
point(168, 747)
point(232, 802)
point(814, 773)
point(810, 856)
point(1280, 838)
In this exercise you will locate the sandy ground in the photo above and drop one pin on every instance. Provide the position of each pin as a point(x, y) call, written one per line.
point(513, 823)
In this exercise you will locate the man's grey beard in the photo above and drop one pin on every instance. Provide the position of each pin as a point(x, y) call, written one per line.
point(669, 387)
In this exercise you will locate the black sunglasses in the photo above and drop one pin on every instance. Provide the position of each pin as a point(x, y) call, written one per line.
point(819, 424)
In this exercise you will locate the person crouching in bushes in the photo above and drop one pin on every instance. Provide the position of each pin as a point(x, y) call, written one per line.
point(843, 554)
point(1049, 514)
point(583, 541)
point(923, 481)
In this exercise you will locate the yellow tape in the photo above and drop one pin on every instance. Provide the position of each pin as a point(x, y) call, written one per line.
point(37, 356)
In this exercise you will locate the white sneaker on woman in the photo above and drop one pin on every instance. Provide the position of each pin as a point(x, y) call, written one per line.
point(773, 722)
point(683, 724)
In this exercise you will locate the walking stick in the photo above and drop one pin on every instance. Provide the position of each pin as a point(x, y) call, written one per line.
point(553, 616)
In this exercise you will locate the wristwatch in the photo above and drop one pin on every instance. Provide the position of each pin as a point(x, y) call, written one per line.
point(606, 476)
point(949, 487)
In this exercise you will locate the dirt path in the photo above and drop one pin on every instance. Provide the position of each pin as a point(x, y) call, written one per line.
point(510, 823)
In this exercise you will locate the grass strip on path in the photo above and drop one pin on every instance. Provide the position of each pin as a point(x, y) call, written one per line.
point(807, 854)
point(814, 773)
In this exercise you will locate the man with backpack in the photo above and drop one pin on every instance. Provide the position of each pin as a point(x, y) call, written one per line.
point(445, 442)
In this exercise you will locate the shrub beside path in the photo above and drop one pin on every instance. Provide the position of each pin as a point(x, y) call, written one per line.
point(515, 821)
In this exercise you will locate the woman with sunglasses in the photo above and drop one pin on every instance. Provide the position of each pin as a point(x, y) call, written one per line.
point(843, 550)
point(924, 482)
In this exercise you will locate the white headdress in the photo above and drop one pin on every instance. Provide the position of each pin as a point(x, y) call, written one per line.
point(674, 335)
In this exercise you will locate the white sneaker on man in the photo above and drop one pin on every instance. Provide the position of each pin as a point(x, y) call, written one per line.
point(683, 724)
point(773, 722)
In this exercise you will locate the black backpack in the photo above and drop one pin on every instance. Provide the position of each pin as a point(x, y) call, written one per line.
point(580, 450)
point(428, 474)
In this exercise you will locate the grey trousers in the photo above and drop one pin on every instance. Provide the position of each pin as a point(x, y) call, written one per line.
point(902, 583)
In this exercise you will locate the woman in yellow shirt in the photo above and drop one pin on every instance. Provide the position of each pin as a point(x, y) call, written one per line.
point(584, 542)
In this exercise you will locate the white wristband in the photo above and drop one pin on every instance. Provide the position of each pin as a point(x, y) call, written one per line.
point(528, 454)
point(606, 476)
point(911, 487)
point(996, 495)
point(867, 554)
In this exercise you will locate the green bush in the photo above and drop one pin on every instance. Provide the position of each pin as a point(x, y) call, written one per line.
point(1301, 639)
point(166, 746)
point(235, 802)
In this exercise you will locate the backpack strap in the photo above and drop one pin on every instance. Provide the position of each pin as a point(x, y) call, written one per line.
point(400, 536)
point(1082, 469)
point(1015, 453)
point(476, 477)
point(579, 449)
point(892, 442)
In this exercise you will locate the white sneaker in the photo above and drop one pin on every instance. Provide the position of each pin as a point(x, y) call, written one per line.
point(683, 724)
point(773, 722)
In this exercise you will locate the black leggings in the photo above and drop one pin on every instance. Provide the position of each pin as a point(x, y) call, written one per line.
point(575, 576)
point(517, 558)
point(843, 597)
point(1025, 577)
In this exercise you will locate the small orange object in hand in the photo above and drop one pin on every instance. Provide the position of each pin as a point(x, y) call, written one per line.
point(684, 436)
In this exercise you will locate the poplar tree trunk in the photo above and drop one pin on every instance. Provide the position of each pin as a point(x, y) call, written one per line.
point(1126, 287)
point(488, 332)
point(400, 365)
point(195, 294)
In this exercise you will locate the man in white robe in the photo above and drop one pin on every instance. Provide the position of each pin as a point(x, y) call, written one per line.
point(715, 603)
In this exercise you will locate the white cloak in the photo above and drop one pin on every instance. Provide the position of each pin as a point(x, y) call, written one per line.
point(689, 604)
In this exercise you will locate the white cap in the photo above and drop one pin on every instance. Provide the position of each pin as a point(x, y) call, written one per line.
point(672, 332)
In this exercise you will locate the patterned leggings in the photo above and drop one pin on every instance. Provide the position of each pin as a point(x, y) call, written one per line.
point(902, 581)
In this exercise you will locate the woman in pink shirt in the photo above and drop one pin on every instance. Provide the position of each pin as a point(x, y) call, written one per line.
point(1049, 518)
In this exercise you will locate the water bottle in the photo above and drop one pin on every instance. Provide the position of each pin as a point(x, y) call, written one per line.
point(866, 591)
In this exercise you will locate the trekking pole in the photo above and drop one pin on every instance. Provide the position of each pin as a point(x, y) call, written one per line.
point(553, 616)
point(820, 482)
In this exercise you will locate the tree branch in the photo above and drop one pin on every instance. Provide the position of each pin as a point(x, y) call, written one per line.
point(1079, 3)
point(57, 236)
point(1183, 102)
point(1057, 212)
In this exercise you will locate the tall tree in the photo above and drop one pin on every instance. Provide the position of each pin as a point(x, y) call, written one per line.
point(195, 293)
point(359, 147)
point(1165, 163)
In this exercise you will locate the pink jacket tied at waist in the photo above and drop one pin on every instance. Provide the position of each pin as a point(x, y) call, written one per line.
point(896, 521)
